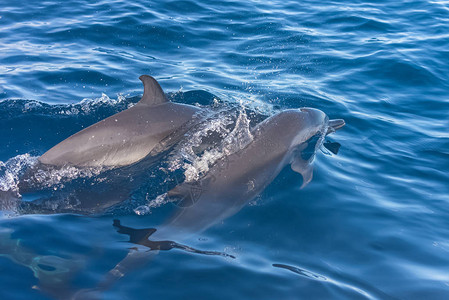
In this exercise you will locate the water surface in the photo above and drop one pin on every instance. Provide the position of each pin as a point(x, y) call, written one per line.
point(373, 223)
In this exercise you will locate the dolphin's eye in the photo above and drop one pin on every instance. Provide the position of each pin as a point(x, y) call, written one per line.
point(309, 151)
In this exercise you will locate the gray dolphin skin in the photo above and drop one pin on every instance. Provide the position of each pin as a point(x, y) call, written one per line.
point(289, 137)
point(150, 126)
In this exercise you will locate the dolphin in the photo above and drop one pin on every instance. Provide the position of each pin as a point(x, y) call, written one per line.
point(140, 133)
point(148, 128)
point(125, 143)
point(289, 137)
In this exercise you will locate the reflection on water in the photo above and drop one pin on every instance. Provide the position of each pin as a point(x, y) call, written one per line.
point(141, 237)
point(301, 272)
point(355, 287)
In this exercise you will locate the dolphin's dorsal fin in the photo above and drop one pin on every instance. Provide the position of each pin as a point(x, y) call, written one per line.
point(152, 91)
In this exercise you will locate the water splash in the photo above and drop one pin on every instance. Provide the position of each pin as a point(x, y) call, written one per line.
point(157, 202)
point(11, 108)
point(55, 177)
point(12, 169)
point(221, 135)
point(88, 104)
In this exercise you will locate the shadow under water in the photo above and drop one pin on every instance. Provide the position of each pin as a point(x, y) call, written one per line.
point(141, 237)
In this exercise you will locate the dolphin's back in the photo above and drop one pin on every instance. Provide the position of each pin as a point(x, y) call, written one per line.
point(121, 139)
point(128, 136)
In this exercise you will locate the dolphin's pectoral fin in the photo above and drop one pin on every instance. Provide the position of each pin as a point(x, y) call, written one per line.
point(305, 169)
point(332, 147)
point(152, 93)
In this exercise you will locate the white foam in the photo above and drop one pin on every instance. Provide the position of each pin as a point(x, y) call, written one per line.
point(31, 105)
point(88, 104)
point(197, 165)
point(56, 177)
point(11, 170)
point(159, 201)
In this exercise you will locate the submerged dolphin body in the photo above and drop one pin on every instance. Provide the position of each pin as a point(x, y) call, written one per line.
point(147, 128)
point(289, 137)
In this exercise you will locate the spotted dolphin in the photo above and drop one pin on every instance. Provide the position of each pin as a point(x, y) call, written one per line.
point(147, 128)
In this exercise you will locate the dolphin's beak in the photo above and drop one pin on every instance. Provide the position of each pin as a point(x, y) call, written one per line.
point(334, 125)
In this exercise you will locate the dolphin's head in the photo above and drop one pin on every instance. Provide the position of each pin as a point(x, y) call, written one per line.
point(309, 126)
point(315, 121)
point(308, 123)
point(313, 126)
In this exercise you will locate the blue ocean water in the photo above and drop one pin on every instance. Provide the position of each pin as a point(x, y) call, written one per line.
point(373, 223)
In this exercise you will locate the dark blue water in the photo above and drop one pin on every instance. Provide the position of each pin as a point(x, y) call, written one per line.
point(374, 221)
